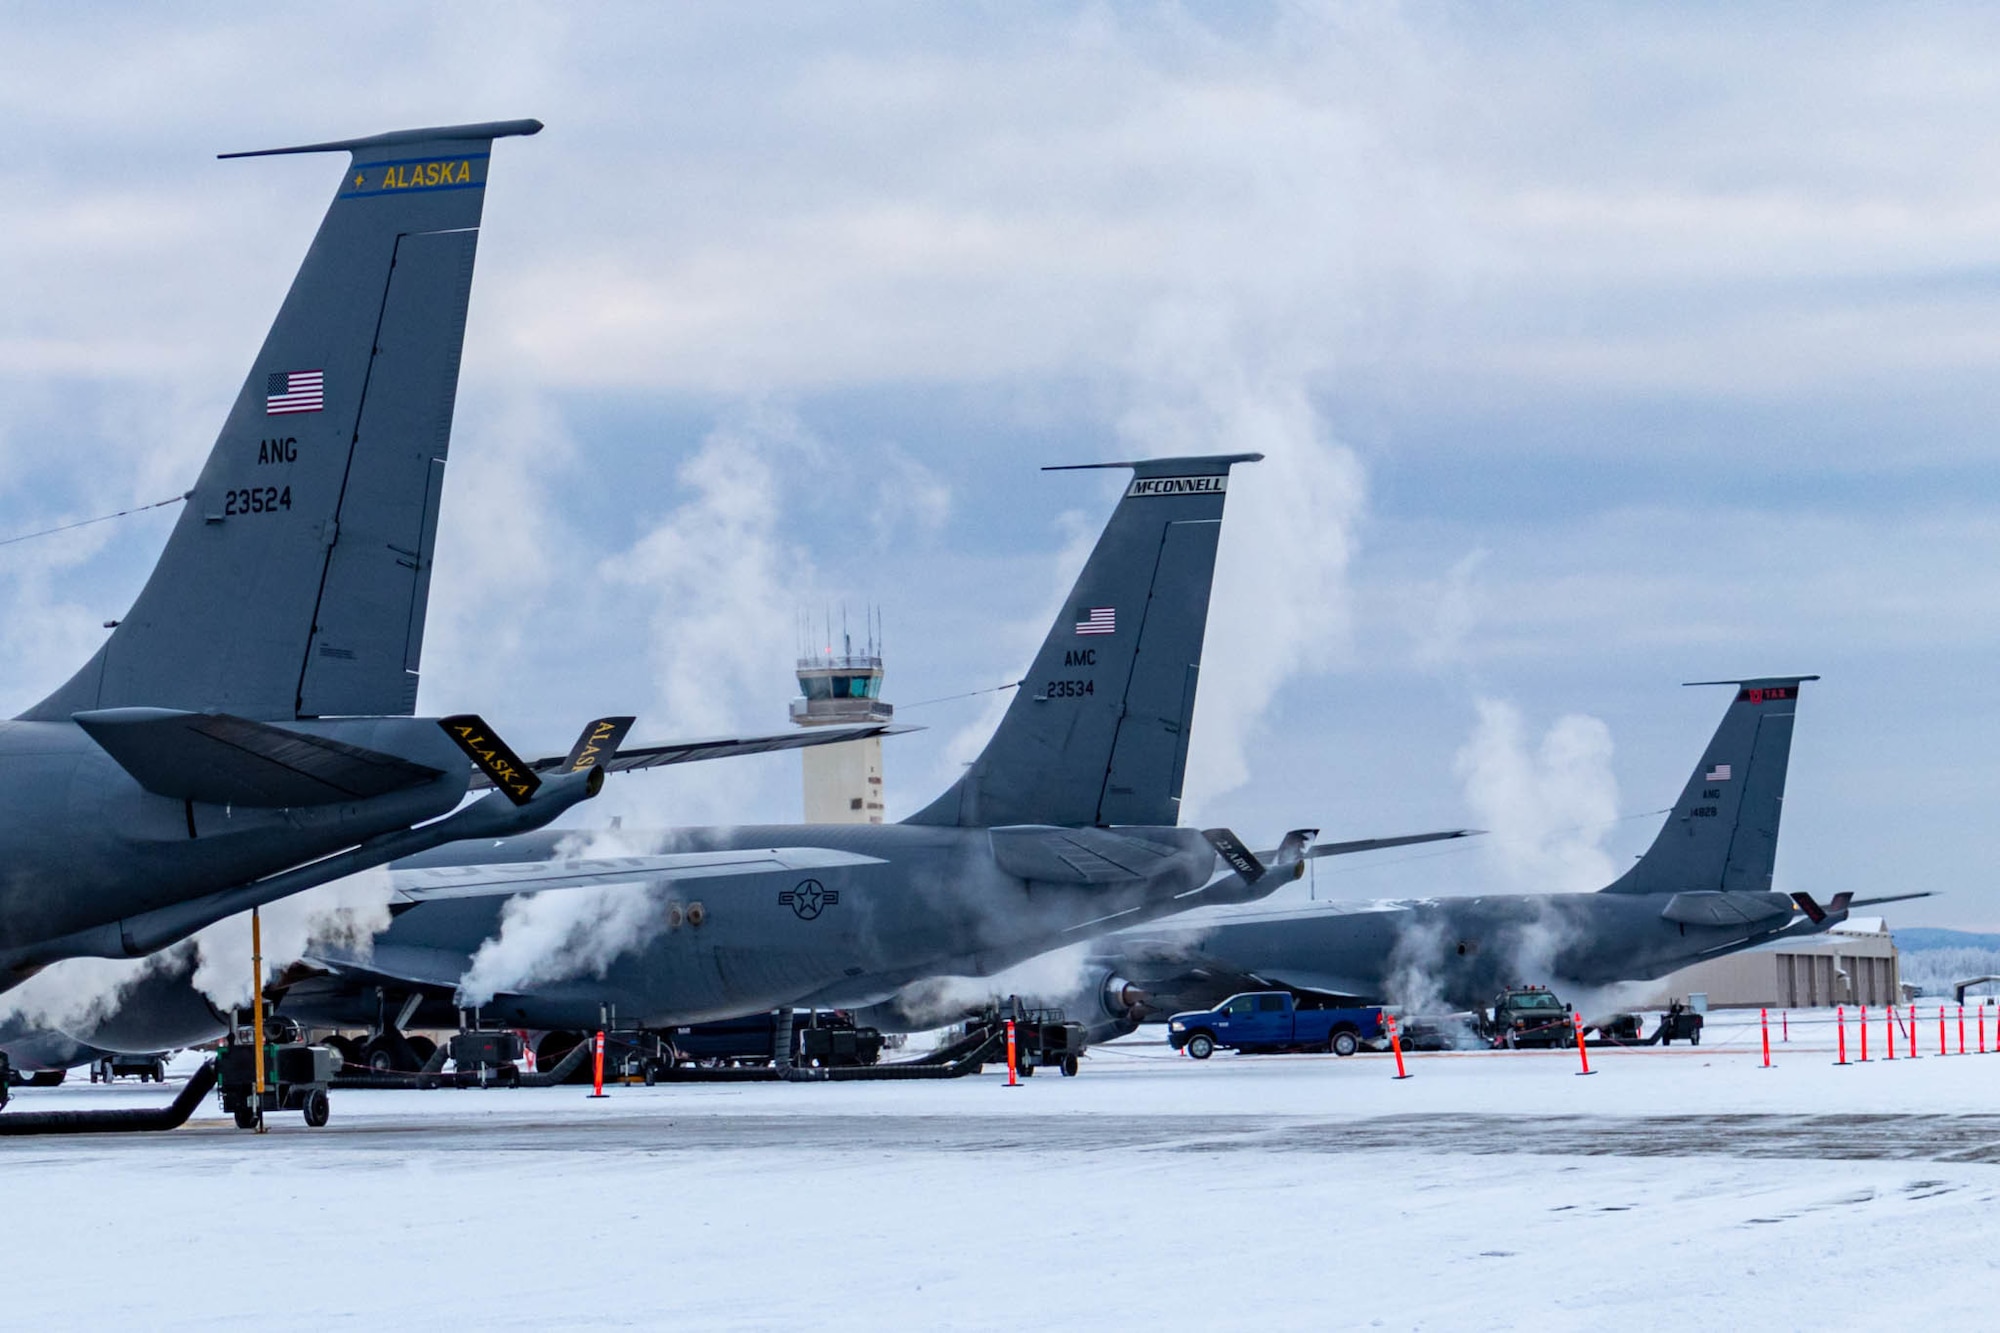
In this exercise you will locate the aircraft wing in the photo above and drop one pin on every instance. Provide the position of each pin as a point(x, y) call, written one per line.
point(227, 760)
point(716, 747)
point(433, 883)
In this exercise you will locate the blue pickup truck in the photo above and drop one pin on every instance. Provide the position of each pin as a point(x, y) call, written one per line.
point(1262, 1021)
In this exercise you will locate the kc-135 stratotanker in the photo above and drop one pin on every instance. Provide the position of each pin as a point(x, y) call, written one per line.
point(245, 730)
point(1702, 890)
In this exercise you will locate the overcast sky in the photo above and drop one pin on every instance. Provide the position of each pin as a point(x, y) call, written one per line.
point(1594, 349)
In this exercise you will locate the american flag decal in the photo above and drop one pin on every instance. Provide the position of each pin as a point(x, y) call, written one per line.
point(289, 391)
point(1097, 620)
point(1720, 773)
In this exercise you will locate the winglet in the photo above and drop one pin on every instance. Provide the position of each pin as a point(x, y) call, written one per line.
point(1292, 851)
point(1234, 854)
point(492, 129)
point(597, 743)
point(491, 756)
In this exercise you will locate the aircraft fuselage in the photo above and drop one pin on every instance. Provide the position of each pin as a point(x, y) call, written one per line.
point(930, 901)
point(1454, 951)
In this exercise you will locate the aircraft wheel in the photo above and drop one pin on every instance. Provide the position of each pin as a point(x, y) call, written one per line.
point(1694, 1038)
point(47, 1078)
point(246, 1118)
point(1344, 1042)
point(1201, 1046)
point(317, 1110)
point(1069, 1066)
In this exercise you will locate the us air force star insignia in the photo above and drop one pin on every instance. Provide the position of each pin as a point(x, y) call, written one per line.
point(809, 899)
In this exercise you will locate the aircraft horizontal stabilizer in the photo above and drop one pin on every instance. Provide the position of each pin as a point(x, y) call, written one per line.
point(710, 747)
point(226, 760)
point(1074, 856)
point(1379, 844)
point(1714, 908)
point(1891, 898)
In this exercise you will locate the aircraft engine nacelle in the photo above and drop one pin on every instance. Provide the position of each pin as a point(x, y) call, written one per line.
point(1120, 997)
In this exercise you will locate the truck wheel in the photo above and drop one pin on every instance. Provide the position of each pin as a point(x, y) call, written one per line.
point(246, 1118)
point(1069, 1066)
point(1201, 1046)
point(318, 1110)
point(1344, 1042)
point(1694, 1038)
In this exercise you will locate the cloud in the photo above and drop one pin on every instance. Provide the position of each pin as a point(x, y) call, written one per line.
point(1546, 807)
point(1454, 614)
point(1280, 605)
point(1685, 318)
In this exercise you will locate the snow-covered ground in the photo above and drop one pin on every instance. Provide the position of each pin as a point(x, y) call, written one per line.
point(1677, 1188)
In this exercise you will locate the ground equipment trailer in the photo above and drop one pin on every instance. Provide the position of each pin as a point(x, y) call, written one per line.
point(296, 1077)
point(1043, 1038)
point(821, 1039)
point(1268, 1021)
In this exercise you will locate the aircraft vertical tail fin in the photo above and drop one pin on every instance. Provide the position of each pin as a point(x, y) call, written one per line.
point(1723, 832)
point(295, 582)
point(1098, 732)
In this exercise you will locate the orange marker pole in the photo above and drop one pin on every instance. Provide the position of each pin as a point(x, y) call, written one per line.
point(1941, 1049)
point(1582, 1047)
point(1764, 1022)
point(597, 1071)
point(1840, 1017)
point(1980, 1010)
point(1012, 1081)
point(1913, 1032)
point(1396, 1045)
point(1961, 1029)
point(1889, 1029)
point(1864, 1034)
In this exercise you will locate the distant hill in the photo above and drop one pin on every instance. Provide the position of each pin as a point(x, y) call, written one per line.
point(1917, 939)
point(1934, 959)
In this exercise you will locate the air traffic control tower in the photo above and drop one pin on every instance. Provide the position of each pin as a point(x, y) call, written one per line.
point(843, 782)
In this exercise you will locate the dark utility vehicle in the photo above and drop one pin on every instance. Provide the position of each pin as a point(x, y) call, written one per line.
point(1530, 1016)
